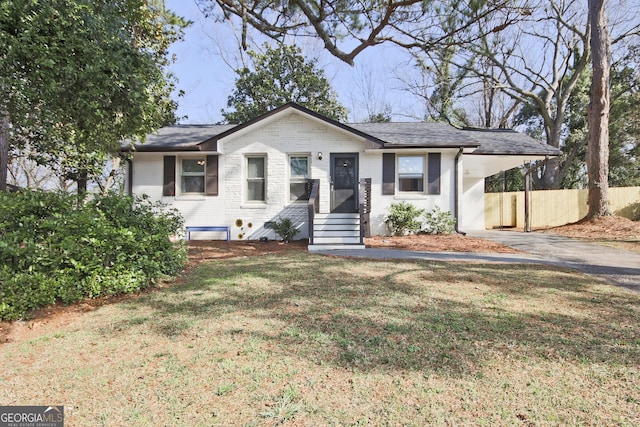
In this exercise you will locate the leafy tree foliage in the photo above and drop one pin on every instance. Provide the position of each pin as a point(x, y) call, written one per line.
point(384, 117)
point(509, 180)
point(55, 248)
point(278, 76)
point(80, 76)
point(624, 125)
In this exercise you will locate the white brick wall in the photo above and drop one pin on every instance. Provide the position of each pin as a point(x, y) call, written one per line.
point(292, 134)
point(196, 210)
point(277, 139)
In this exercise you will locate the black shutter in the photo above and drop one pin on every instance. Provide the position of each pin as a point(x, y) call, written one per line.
point(433, 171)
point(388, 173)
point(169, 176)
point(211, 176)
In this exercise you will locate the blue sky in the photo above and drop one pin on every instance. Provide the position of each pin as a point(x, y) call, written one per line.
point(206, 58)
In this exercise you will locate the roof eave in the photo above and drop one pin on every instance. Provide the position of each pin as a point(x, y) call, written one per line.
point(166, 149)
point(428, 146)
point(520, 153)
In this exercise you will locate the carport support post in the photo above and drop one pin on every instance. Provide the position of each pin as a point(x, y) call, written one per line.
point(527, 200)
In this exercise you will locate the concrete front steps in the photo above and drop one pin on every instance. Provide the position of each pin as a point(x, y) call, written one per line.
point(333, 231)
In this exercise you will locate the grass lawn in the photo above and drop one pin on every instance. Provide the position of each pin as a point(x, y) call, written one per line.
point(308, 340)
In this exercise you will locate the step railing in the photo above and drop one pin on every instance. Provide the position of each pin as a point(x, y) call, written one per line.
point(313, 206)
point(364, 207)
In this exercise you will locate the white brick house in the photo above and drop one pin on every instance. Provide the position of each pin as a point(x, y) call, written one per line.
point(246, 176)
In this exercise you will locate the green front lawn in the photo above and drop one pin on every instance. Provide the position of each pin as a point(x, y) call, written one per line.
point(300, 339)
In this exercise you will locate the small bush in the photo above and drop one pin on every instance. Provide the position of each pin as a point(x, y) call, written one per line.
point(403, 219)
point(285, 229)
point(56, 247)
point(438, 221)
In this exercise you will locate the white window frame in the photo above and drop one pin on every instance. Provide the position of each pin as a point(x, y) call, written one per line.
point(297, 179)
point(182, 173)
point(247, 180)
point(423, 157)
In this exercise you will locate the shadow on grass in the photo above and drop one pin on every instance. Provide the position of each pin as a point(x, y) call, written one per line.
point(413, 315)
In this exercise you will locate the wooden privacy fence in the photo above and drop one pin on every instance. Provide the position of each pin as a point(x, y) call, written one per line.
point(551, 208)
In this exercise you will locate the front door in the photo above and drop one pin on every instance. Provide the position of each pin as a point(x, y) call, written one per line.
point(344, 182)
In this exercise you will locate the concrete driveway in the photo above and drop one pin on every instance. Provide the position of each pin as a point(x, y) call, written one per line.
point(616, 266)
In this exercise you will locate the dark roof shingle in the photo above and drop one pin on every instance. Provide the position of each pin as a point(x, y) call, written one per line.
point(508, 141)
point(391, 134)
point(180, 137)
point(417, 134)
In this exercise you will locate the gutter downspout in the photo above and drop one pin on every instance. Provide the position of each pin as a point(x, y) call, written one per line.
point(456, 197)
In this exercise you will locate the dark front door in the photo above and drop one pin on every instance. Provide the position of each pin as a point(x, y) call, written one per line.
point(344, 182)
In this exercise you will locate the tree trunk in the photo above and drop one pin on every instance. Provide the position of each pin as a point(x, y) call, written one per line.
point(81, 182)
point(552, 173)
point(598, 145)
point(4, 149)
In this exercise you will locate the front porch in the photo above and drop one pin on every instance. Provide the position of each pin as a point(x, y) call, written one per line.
point(339, 230)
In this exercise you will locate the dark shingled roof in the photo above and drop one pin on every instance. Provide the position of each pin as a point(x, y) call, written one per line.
point(180, 137)
point(393, 135)
point(507, 141)
point(417, 134)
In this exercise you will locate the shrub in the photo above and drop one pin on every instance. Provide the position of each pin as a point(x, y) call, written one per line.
point(403, 219)
point(438, 221)
point(56, 247)
point(285, 229)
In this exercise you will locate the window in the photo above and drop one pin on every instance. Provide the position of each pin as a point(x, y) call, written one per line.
point(192, 174)
point(256, 190)
point(298, 178)
point(411, 173)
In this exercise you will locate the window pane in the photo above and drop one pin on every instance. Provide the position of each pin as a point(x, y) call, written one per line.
point(411, 173)
point(299, 191)
point(255, 167)
point(299, 167)
point(192, 184)
point(255, 191)
point(411, 164)
point(411, 184)
point(191, 166)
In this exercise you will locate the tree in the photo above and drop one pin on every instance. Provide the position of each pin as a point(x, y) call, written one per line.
point(624, 124)
point(541, 61)
point(438, 86)
point(368, 92)
point(348, 27)
point(278, 76)
point(598, 148)
point(439, 81)
point(83, 75)
point(543, 81)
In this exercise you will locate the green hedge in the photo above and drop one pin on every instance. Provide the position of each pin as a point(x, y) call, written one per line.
point(55, 247)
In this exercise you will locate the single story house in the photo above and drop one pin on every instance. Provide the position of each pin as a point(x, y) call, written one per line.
point(334, 180)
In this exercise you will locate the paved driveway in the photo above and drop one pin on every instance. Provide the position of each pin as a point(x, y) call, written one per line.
point(616, 266)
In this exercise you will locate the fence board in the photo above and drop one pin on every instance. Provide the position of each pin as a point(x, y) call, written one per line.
point(551, 208)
